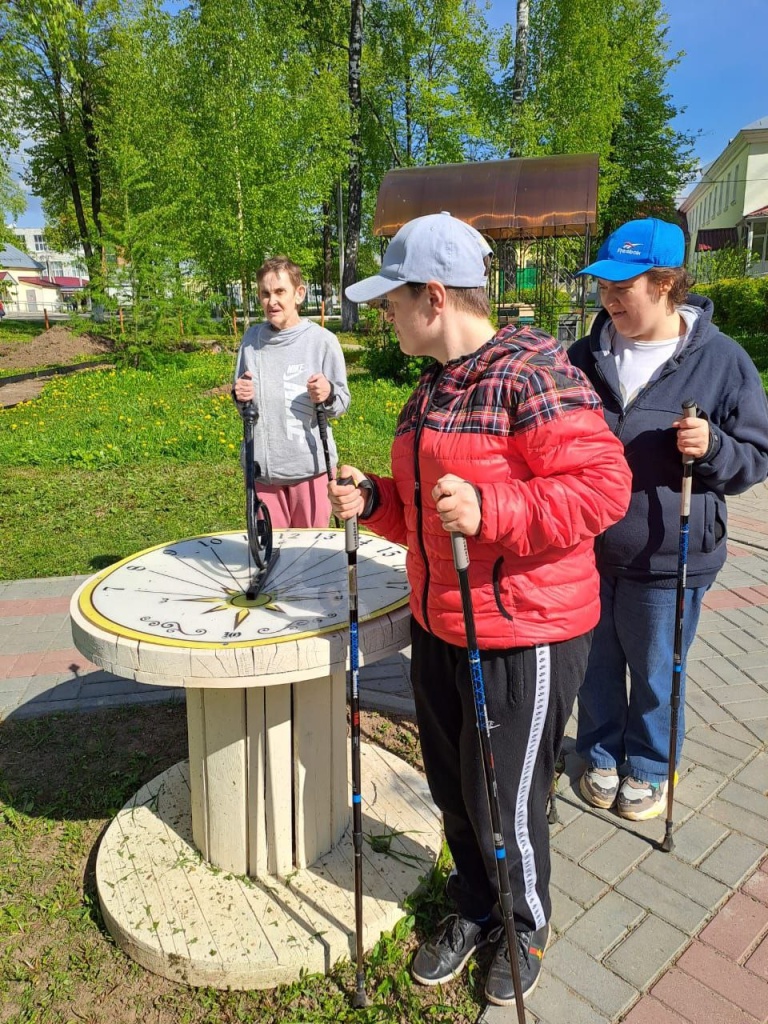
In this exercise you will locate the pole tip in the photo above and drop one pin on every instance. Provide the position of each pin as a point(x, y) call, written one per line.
point(359, 1000)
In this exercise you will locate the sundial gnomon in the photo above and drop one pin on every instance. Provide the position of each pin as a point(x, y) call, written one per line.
point(192, 592)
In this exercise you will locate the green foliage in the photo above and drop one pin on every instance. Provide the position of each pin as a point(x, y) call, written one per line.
point(597, 84)
point(549, 303)
point(741, 304)
point(54, 53)
point(722, 264)
point(650, 160)
point(12, 203)
point(431, 68)
point(184, 143)
point(384, 359)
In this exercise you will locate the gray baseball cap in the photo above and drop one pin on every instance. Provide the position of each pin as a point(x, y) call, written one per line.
point(437, 247)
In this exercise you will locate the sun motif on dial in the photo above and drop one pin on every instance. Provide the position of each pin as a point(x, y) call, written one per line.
point(192, 593)
point(237, 600)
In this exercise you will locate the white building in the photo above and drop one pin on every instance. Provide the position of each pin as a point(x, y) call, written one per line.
point(23, 287)
point(729, 205)
point(66, 269)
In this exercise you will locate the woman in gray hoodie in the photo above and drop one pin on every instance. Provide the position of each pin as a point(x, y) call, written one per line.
point(289, 366)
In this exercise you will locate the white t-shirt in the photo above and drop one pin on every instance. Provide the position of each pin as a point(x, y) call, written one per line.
point(638, 362)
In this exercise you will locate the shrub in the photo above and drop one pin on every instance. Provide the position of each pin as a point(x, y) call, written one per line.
point(741, 304)
point(383, 357)
point(722, 264)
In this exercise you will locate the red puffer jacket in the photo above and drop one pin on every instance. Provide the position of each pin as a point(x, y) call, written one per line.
point(521, 424)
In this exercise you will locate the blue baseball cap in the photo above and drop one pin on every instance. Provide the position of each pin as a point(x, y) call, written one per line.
point(638, 246)
point(437, 247)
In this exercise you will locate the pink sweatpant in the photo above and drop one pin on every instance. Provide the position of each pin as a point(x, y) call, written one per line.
point(304, 504)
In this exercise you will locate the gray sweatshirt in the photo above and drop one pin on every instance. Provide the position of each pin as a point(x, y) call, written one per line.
point(287, 443)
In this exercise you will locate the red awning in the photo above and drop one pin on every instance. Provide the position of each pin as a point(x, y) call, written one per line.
point(71, 283)
point(711, 239)
point(39, 282)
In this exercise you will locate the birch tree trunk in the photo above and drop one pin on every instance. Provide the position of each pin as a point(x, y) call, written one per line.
point(521, 52)
point(355, 180)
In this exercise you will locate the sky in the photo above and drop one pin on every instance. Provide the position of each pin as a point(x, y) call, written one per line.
point(719, 84)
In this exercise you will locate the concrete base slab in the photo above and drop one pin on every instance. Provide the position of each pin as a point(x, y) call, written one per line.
point(190, 922)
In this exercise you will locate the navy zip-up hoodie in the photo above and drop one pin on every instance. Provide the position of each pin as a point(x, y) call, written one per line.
point(714, 371)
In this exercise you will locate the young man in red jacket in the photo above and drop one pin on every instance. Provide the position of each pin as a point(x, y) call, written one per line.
point(504, 442)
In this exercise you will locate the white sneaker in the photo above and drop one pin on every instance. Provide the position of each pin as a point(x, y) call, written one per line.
point(639, 800)
point(599, 786)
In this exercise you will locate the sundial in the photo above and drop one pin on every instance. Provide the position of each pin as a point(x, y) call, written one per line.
point(265, 677)
point(192, 593)
point(265, 792)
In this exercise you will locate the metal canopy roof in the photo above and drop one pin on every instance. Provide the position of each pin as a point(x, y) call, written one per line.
point(531, 197)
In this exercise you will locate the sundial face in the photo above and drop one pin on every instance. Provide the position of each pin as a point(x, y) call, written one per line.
point(191, 593)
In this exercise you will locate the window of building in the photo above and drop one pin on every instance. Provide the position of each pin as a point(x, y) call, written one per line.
point(759, 240)
point(735, 179)
point(39, 243)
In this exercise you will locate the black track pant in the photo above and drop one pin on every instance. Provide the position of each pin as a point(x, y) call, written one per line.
point(529, 696)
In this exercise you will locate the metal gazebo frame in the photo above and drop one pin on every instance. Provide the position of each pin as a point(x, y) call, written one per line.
point(535, 209)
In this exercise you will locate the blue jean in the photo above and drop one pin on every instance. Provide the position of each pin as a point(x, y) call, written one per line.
point(630, 731)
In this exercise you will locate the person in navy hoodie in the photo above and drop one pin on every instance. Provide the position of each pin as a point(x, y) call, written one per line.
point(652, 347)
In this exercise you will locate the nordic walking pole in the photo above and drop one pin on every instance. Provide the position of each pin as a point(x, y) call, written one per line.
point(322, 426)
point(351, 542)
point(461, 561)
point(689, 409)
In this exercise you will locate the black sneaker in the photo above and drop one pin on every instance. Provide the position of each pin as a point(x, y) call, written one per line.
point(530, 951)
point(443, 957)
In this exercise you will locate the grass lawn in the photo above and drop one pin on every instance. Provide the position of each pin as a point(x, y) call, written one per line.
point(13, 330)
point(62, 779)
point(113, 461)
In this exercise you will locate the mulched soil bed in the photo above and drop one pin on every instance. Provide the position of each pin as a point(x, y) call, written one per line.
point(54, 347)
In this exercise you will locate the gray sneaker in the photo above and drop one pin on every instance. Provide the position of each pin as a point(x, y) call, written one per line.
point(639, 800)
point(499, 987)
point(600, 786)
point(445, 955)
